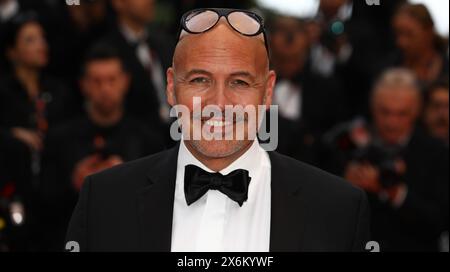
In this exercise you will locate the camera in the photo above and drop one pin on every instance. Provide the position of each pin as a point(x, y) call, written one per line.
point(388, 161)
point(357, 142)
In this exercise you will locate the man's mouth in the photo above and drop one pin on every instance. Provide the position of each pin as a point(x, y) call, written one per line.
point(218, 123)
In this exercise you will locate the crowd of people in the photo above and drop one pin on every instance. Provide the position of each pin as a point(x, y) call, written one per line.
point(362, 92)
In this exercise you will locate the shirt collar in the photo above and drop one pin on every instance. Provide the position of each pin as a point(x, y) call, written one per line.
point(131, 36)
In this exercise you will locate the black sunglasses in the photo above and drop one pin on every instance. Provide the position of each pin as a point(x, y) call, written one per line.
point(245, 22)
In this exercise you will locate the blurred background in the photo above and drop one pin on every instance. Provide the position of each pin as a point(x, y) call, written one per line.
point(362, 92)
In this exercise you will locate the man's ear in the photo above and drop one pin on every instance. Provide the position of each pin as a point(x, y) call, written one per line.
point(170, 87)
point(270, 85)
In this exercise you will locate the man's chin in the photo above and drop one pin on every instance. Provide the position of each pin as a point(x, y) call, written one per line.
point(219, 148)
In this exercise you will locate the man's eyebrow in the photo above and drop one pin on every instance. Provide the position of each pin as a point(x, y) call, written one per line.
point(243, 74)
point(198, 71)
point(234, 74)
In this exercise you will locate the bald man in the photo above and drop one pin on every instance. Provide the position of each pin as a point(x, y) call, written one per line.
point(219, 193)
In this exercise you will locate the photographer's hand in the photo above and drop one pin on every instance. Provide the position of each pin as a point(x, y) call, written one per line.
point(90, 165)
point(365, 176)
point(28, 137)
point(397, 194)
point(83, 168)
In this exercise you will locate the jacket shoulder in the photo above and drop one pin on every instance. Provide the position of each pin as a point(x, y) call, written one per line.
point(132, 174)
point(314, 181)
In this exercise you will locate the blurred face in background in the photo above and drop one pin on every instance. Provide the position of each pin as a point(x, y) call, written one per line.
point(88, 13)
point(290, 46)
point(331, 7)
point(395, 111)
point(140, 11)
point(437, 113)
point(411, 37)
point(30, 49)
point(105, 84)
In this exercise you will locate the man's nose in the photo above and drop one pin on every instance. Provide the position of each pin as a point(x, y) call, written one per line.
point(219, 96)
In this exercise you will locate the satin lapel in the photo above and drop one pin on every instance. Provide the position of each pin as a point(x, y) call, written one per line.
point(288, 208)
point(155, 203)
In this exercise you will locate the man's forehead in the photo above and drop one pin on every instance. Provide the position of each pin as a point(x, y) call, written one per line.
point(221, 40)
point(396, 97)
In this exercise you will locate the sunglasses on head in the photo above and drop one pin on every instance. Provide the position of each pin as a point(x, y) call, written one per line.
point(245, 22)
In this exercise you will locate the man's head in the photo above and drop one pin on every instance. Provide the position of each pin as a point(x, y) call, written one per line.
point(436, 114)
point(137, 12)
point(395, 105)
point(104, 80)
point(290, 45)
point(222, 67)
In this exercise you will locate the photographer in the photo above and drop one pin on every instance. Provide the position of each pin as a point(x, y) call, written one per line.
point(404, 172)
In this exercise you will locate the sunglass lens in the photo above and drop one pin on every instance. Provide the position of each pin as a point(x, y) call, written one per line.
point(244, 23)
point(198, 22)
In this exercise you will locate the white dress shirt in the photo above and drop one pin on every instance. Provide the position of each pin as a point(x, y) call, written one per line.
point(288, 97)
point(217, 223)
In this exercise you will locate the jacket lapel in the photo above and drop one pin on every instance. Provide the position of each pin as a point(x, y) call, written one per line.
point(288, 207)
point(155, 203)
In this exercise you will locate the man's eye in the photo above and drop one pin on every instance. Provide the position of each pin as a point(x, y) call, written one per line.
point(199, 80)
point(239, 83)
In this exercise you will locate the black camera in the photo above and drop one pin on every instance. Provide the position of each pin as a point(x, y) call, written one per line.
point(356, 141)
point(386, 160)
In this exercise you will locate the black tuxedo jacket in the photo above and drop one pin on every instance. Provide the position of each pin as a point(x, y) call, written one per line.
point(130, 207)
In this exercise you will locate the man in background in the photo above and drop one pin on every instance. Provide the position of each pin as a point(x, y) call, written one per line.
point(147, 54)
point(104, 137)
point(309, 103)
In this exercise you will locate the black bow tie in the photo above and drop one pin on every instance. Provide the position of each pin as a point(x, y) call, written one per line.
point(198, 181)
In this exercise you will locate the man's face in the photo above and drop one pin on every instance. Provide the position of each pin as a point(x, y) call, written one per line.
point(138, 10)
point(437, 113)
point(105, 84)
point(290, 46)
point(395, 112)
point(222, 67)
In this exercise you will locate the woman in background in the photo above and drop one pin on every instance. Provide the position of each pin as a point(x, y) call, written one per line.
point(422, 50)
point(30, 102)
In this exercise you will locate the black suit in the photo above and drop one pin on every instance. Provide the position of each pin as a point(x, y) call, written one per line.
point(130, 208)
